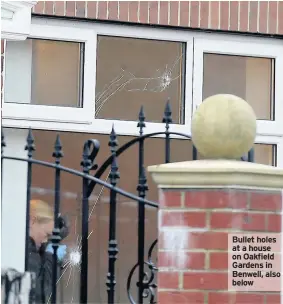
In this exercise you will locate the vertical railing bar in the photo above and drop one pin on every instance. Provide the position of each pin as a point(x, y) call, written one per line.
point(141, 240)
point(29, 178)
point(167, 148)
point(195, 153)
point(55, 235)
point(112, 248)
point(182, 119)
point(167, 119)
point(251, 156)
point(57, 154)
point(86, 164)
point(142, 188)
point(112, 243)
point(3, 145)
point(30, 148)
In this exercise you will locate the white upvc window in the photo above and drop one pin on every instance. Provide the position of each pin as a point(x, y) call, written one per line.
point(44, 75)
point(251, 68)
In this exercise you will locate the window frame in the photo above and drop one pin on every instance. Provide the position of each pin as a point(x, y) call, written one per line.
point(45, 113)
point(273, 141)
point(279, 156)
point(158, 35)
point(196, 43)
point(242, 46)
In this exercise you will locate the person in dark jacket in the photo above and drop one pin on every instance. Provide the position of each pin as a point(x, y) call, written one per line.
point(40, 251)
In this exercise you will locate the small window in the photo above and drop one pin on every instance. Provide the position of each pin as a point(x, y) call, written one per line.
point(50, 74)
point(247, 67)
point(250, 78)
point(139, 72)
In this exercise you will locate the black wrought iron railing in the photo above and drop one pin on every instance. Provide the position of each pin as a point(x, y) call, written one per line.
point(146, 285)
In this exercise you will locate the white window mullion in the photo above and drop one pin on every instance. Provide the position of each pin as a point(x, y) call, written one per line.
point(269, 128)
point(280, 153)
point(197, 75)
point(99, 126)
point(278, 90)
point(189, 83)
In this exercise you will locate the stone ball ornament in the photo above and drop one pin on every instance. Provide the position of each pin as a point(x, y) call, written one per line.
point(224, 127)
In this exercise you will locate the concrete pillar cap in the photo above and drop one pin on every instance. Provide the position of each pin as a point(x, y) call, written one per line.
point(216, 173)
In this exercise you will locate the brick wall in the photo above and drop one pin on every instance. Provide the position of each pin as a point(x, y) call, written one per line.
point(245, 16)
point(193, 242)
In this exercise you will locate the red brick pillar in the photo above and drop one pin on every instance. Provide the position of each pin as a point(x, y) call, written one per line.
point(203, 202)
point(193, 241)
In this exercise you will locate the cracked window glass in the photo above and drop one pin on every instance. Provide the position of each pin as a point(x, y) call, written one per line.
point(137, 72)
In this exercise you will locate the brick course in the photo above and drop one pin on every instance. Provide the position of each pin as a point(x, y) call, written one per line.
point(245, 16)
point(196, 258)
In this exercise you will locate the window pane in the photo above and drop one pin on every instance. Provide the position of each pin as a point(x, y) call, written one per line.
point(265, 154)
point(247, 77)
point(136, 72)
point(43, 72)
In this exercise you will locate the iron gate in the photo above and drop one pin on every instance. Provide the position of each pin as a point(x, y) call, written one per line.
point(146, 285)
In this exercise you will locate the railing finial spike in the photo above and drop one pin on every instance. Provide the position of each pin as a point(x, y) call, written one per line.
point(58, 153)
point(141, 123)
point(3, 143)
point(86, 162)
point(167, 118)
point(113, 142)
point(30, 146)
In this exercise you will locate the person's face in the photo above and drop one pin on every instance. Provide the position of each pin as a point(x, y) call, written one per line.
point(40, 231)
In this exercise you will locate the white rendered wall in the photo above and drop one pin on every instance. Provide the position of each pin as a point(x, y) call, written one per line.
point(14, 201)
